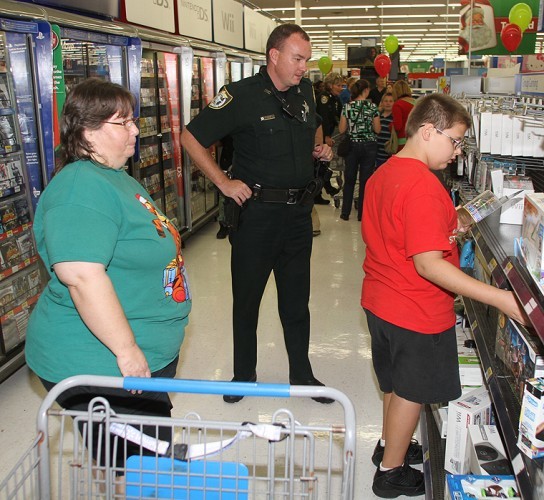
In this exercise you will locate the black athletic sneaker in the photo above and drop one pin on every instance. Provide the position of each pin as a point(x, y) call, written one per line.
point(401, 480)
point(414, 455)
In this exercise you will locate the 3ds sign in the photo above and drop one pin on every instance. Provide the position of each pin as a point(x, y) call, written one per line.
point(200, 11)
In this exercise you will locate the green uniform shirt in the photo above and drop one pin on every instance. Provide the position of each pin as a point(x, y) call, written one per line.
point(90, 213)
point(271, 148)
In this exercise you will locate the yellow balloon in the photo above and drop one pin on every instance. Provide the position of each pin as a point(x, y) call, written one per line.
point(521, 15)
point(324, 64)
point(391, 43)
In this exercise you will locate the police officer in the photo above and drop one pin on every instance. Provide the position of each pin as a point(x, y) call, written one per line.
point(329, 107)
point(272, 120)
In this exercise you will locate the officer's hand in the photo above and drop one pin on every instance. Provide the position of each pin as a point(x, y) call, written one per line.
point(323, 152)
point(329, 141)
point(237, 190)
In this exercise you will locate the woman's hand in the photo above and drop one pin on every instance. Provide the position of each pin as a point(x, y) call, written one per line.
point(132, 363)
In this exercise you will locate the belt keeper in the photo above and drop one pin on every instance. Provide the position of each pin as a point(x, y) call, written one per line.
point(256, 192)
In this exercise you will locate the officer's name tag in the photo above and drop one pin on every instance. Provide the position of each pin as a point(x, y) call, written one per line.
point(267, 117)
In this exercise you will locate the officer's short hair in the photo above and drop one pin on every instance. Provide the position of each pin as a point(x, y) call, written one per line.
point(440, 110)
point(280, 34)
point(332, 79)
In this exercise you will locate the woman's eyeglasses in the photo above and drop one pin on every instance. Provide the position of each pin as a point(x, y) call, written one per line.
point(127, 123)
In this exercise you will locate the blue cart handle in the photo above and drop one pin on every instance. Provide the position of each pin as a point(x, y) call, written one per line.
point(206, 387)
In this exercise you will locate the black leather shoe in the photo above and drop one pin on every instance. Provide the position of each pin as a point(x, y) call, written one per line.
point(344, 217)
point(319, 200)
point(313, 381)
point(235, 399)
point(223, 232)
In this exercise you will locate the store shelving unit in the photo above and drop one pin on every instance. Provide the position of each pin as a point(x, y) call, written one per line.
point(496, 243)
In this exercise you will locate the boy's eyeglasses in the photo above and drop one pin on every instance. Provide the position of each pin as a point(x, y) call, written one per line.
point(457, 143)
point(129, 122)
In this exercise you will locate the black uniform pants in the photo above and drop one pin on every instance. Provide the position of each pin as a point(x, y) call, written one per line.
point(272, 237)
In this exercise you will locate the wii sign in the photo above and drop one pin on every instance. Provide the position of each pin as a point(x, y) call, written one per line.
point(228, 23)
point(195, 18)
point(157, 14)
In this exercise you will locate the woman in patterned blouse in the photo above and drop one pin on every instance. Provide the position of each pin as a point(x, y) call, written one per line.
point(361, 119)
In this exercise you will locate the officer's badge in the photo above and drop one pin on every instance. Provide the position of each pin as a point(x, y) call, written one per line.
point(324, 99)
point(221, 99)
point(305, 111)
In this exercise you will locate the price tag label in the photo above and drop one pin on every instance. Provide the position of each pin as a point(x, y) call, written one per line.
point(488, 373)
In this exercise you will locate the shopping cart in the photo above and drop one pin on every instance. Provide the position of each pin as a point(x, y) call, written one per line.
point(206, 459)
point(338, 166)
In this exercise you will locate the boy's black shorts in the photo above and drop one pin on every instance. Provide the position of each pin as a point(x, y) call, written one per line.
point(418, 367)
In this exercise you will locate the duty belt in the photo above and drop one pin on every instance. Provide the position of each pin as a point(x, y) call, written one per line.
point(269, 195)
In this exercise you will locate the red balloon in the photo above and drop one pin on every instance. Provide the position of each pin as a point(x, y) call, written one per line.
point(511, 36)
point(382, 64)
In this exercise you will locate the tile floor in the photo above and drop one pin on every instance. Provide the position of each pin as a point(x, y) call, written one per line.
point(340, 347)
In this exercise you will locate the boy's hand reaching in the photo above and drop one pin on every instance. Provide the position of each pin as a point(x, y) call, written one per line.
point(509, 305)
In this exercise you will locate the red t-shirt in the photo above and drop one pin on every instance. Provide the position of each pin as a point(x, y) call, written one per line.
point(407, 211)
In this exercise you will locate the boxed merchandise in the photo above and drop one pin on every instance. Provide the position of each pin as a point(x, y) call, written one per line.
point(474, 408)
point(487, 453)
point(469, 487)
point(532, 233)
point(470, 371)
point(531, 420)
point(440, 414)
point(520, 351)
point(485, 132)
point(512, 184)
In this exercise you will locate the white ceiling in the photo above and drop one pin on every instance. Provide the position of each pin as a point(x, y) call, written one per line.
point(426, 28)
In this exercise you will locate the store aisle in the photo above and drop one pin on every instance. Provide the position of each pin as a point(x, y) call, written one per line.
point(340, 347)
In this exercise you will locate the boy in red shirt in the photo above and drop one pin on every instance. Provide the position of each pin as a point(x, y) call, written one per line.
point(411, 278)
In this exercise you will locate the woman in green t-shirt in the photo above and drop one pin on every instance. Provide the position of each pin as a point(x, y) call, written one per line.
point(117, 301)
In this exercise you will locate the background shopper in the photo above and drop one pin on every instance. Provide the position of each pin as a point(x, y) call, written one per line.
point(361, 119)
point(402, 93)
point(386, 122)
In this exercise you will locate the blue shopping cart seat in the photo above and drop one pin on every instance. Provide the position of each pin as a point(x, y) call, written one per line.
point(161, 477)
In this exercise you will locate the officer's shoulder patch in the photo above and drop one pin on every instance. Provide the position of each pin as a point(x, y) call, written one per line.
point(221, 99)
point(324, 99)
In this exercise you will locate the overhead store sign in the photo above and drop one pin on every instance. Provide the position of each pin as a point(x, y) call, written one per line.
point(228, 23)
point(108, 8)
point(195, 18)
point(481, 23)
point(158, 14)
point(257, 28)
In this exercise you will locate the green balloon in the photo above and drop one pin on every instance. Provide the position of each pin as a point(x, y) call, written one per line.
point(391, 44)
point(521, 15)
point(324, 64)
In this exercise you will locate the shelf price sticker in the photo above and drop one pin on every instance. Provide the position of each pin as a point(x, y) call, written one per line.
point(509, 267)
point(492, 264)
point(474, 325)
point(530, 305)
point(517, 464)
point(488, 373)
